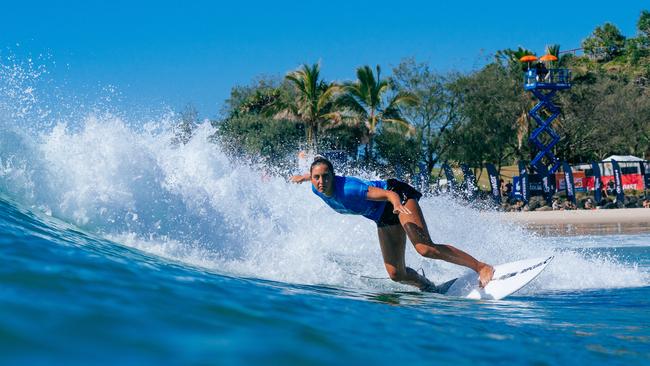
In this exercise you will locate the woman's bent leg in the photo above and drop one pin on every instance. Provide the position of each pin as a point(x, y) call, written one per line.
point(392, 240)
point(416, 229)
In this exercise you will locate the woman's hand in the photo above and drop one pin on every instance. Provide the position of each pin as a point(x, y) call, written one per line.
point(378, 194)
point(398, 208)
point(401, 209)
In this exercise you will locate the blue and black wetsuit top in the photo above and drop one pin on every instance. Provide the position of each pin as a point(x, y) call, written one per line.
point(350, 197)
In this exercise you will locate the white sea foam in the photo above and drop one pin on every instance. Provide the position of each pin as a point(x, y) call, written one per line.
point(193, 204)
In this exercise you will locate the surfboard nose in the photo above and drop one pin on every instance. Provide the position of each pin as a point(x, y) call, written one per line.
point(509, 278)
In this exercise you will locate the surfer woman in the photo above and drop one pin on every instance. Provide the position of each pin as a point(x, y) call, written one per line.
point(393, 205)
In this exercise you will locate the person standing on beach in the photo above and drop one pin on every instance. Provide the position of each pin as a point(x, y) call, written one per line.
point(508, 188)
point(611, 188)
point(393, 206)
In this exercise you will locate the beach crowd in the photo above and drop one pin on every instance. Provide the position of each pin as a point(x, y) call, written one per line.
point(583, 200)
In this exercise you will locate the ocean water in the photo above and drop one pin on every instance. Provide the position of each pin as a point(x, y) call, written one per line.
point(119, 247)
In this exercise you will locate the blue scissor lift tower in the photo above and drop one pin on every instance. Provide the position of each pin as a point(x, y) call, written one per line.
point(544, 87)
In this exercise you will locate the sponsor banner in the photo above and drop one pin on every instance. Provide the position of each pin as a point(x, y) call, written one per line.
point(470, 182)
point(618, 181)
point(449, 174)
point(525, 185)
point(569, 182)
point(494, 182)
point(579, 181)
point(583, 183)
point(630, 181)
point(516, 188)
point(544, 185)
point(536, 185)
point(547, 183)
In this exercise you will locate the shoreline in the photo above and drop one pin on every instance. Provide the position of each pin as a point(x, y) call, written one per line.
point(613, 216)
point(579, 222)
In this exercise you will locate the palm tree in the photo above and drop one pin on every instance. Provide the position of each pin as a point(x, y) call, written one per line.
point(511, 57)
point(553, 49)
point(366, 98)
point(314, 102)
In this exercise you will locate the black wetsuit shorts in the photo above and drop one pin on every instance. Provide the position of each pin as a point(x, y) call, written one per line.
point(405, 192)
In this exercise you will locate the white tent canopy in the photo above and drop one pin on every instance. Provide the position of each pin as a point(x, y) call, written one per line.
point(629, 164)
point(622, 158)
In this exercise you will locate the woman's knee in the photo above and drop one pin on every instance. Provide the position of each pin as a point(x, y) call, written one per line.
point(396, 274)
point(427, 250)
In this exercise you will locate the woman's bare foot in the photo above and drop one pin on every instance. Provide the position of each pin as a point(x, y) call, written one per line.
point(485, 274)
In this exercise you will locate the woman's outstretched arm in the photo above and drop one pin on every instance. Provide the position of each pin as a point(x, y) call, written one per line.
point(300, 178)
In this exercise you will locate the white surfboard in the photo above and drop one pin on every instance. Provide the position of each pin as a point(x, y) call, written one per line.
point(508, 278)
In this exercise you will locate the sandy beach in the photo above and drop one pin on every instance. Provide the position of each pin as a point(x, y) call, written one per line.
point(577, 222)
point(614, 216)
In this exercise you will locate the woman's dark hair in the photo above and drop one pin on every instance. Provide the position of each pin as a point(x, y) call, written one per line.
point(321, 160)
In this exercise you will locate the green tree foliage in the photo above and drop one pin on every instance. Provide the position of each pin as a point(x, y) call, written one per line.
point(313, 104)
point(603, 115)
point(399, 149)
point(643, 24)
point(187, 123)
point(254, 137)
point(553, 49)
point(346, 137)
point(510, 58)
point(261, 97)
point(639, 47)
point(605, 43)
point(491, 104)
point(437, 111)
point(250, 128)
point(562, 60)
point(367, 98)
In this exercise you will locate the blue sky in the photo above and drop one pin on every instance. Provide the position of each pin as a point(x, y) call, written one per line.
point(177, 52)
